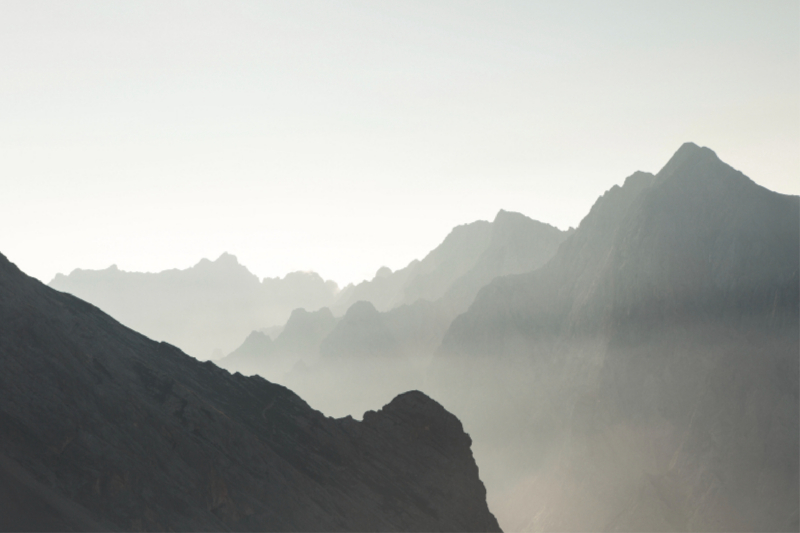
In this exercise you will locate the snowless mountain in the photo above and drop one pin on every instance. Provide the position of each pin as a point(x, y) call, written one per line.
point(207, 310)
point(104, 429)
point(648, 373)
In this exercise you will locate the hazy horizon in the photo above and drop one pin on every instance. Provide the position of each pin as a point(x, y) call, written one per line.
point(341, 138)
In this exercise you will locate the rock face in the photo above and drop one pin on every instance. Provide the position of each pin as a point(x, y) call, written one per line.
point(206, 310)
point(105, 429)
point(648, 373)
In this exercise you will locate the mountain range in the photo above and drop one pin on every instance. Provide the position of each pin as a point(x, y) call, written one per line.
point(207, 310)
point(648, 374)
point(637, 373)
point(105, 429)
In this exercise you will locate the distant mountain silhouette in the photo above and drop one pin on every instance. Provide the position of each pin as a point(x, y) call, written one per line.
point(427, 279)
point(638, 373)
point(105, 429)
point(297, 343)
point(402, 339)
point(517, 245)
point(648, 373)
point(207, 310)
point(469, 257)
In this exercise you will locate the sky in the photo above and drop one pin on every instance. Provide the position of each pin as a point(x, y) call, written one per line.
point(342, 136)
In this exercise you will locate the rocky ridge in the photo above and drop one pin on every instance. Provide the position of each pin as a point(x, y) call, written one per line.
point(649, 372)
point(105, 429)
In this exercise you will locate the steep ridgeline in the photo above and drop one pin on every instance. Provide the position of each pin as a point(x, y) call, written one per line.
point(469, 257)
point(648, 374)
point(371, 355)
point(517, 245)
point(207, 309)
point(297, 344)
point(104, 429)
point(427, 279)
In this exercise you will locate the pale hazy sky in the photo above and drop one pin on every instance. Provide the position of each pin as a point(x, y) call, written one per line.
point(342, 136)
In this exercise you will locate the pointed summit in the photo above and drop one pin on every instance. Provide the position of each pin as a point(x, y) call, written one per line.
point(694, 162)
point(227, 259)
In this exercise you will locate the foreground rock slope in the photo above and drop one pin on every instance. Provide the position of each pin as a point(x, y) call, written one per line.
point(104, 429)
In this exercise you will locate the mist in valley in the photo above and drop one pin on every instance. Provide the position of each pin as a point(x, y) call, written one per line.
point(638, 372)
point(400, 265)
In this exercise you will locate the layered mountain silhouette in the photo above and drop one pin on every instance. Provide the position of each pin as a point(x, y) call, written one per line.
point(638, 373)
point(648, 373)
point(428, 278)
point(372, 354)
point(106, 429)
point(206, 310)
point(297, 343)
point(469, 257)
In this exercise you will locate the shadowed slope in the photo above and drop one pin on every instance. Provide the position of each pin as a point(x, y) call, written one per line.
point(105, 429)
point(649, 372)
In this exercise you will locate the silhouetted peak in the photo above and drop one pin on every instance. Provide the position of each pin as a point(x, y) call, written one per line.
point(361, 309)
point(227, 259)
point(506, 221)
point(300, 317)
point(639, 179)
point(298, 314)
point(303, 275)
point(614, 203)
point(690, 159)
point(689, 150)
point(383, 272)
point(409, 401)
point(509, 216)
point(257, 338)
point(427, 419)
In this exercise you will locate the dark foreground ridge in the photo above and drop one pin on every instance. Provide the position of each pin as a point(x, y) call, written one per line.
point(104, 429)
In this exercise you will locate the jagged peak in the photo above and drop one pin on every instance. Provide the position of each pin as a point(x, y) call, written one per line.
point(506, 219)
point(638, 179)
point(226, 258)
point(618, 198)
point(689, 154)
point(509, 215)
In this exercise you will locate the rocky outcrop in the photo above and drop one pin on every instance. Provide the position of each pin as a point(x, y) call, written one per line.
point(105, 429)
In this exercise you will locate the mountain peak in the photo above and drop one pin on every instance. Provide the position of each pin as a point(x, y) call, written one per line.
point(504, 215)
point(361, 309)
point(227, 258)
point(638, 179)
point(383, 272)
point(691, 155)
